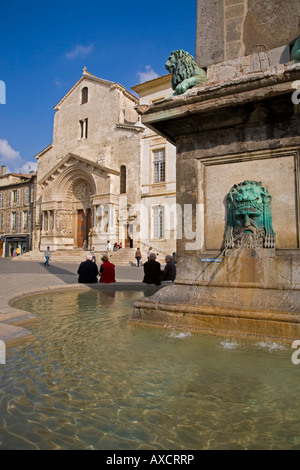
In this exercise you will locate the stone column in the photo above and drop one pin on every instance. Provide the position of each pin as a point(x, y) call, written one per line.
point(210, 32)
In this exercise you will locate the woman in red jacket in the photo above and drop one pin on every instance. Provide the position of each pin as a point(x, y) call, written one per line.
point(107, 271)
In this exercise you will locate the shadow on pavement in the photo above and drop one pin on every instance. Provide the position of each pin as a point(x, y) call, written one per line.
point(67, 272)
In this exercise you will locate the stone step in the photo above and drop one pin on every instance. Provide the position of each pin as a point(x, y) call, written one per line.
point(122, 257)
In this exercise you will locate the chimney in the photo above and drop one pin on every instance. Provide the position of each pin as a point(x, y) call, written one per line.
point(3, 170)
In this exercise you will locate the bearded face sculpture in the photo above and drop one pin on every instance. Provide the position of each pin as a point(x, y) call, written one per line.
point(249, 220)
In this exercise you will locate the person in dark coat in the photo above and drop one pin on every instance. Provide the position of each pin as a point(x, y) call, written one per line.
point(152, 270)
point(88, 271)
point(169, 273)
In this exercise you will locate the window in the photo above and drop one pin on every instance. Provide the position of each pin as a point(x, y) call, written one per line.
point(83, 128)
point(1, 221)
point(18, 197)
point(14, 197)
point(25, 220)
point(1, 199)
point(26, 196)
point(123, 179)
point(13, 220)
point(158, 221)
point(84, 95)
point(19, 221)
point(32, 192)
point(159, 166)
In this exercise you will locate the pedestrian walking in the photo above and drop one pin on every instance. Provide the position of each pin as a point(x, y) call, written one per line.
point(138, 256)
point(47, 256)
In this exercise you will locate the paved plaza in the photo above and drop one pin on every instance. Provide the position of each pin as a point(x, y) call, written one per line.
point(19, 278)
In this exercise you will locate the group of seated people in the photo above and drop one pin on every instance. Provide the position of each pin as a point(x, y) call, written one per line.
point(117, 246)
point(88, 271)
point(153, 274)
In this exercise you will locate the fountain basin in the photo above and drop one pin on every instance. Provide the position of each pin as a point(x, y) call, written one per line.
point(226, 311)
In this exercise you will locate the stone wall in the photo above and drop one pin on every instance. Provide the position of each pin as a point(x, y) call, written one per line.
point(230, 29)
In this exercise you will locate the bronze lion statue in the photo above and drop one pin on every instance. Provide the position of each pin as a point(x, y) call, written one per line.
point(185, 72)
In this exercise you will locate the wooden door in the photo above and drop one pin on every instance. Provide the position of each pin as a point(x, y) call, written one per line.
point(80, 229)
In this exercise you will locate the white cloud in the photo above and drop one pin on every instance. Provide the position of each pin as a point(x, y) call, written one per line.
point(12, 160)
point(149, 74)
point(80, 51)
point(28, 167)
point(7, 152)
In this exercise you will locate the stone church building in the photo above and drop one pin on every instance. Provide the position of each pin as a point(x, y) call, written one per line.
point(90, 169)
point(104, 176)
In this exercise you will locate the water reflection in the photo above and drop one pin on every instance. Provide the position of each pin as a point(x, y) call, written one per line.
point(90, 380)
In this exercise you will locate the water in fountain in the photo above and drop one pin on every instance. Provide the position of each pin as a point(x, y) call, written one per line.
point(90, 380)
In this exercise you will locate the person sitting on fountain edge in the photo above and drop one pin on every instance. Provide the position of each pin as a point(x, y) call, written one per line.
point(152, 271)
point(88, 271)
point(169, 273)
point(107, 271)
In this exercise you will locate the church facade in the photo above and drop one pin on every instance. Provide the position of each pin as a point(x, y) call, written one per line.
point(90, 169)
point(105, 176)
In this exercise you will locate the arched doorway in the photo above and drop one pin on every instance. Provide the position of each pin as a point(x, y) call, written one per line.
point(84, 225)
point(81, 196)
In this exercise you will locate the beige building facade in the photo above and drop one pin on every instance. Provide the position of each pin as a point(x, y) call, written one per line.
point(17, 212)
point(158, 176)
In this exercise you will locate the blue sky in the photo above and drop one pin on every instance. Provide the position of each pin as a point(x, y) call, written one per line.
point(45, 45)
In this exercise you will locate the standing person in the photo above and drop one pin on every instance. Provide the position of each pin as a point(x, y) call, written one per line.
point(47, 255)
point(88, 271)
point(107, 271)
point(149, 252)
point(169, 273)
point(152, 270)
point(108, 246)
point(93, 255)
point(18, 251)
point(138, 256)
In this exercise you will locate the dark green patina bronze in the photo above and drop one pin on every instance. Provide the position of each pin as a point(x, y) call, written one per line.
point(185, 72)
point(249, 218)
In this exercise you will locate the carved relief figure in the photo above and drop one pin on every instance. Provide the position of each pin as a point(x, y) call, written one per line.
point(249, 220)
point(82, 192)
point(185, 72)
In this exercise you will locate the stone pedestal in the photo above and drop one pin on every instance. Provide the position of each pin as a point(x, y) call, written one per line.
point(236, 129)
